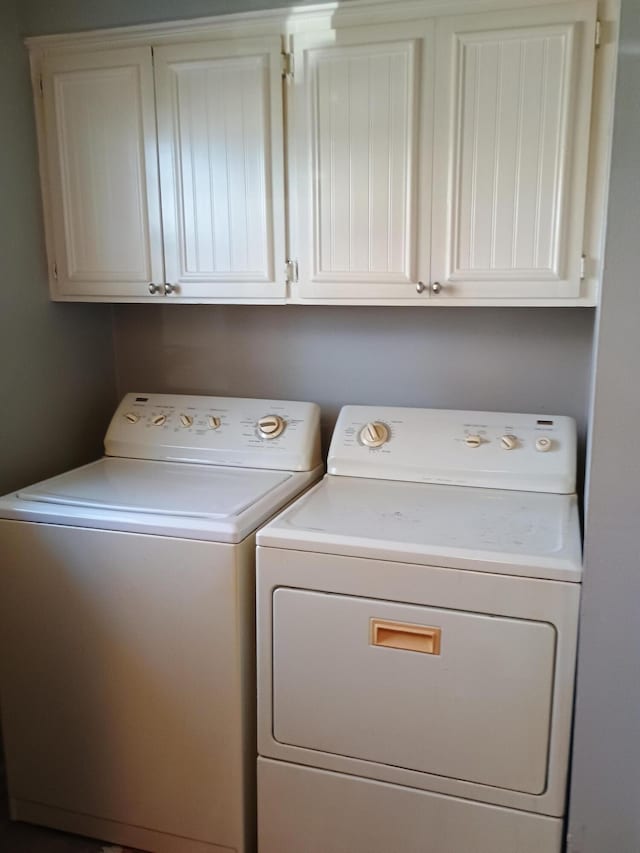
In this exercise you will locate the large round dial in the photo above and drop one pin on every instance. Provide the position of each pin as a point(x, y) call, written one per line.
point(158, 420)
point(213, 422)
point(509, 442)
point(186, 420)
point(270, 426)
point(374, 434)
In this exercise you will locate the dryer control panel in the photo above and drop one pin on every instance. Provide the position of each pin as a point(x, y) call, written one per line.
point(246, 433)
point(496, 450)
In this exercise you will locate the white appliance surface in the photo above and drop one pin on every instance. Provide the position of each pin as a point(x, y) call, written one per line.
point(339, 813)
point(127, 596)
point(495, 530)
point(492, 450)
point(196, 501)
point(236, 431)
point(236, 479)
point(417, 627)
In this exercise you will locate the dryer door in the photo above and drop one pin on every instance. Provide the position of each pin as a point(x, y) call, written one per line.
point(456, 694)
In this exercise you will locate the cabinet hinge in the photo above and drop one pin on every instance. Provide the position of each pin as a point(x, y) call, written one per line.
point(291, 271)
point(55, 271)
point(598, 32)
point(287, 65)
point(583, 266)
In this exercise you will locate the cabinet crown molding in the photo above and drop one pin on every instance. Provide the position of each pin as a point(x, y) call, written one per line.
point(282, 21)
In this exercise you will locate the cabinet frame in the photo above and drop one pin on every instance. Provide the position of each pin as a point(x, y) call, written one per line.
point(287, 24)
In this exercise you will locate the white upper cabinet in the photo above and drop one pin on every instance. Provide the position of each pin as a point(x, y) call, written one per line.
point(101, 164)
point(221, 167)
point(360, 129)
point(382, 153)
point(513, 99)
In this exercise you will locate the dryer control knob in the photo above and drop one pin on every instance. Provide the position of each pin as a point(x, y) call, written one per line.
point(186, 420)
point(132, 417)
point(473, 441)
point(270, 426)
point(374, 434)
point(158, 420)
point(508, 442)
point(543, 444)
point(213, 422)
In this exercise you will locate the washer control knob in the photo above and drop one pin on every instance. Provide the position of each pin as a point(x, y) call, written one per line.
point(270, 426)
point(132, 417)
point(508, 442)
point(213, 422)
point(473, 441)
point(543, 444)
point(374, 434)
point(186, 420)
point(158, 420)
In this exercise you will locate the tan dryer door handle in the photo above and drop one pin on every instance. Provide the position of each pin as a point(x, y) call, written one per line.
point(405, 636)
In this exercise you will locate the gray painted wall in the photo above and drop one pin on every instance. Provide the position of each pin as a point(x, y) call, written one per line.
point(57, 382)
point(504, 359)
point(605, 796)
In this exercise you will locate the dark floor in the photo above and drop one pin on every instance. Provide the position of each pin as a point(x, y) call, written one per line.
point(24, 838)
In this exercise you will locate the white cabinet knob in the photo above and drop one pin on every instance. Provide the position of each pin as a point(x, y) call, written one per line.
point(508, 442)
point(374, 434)
point(473, 441)
point(270, 426)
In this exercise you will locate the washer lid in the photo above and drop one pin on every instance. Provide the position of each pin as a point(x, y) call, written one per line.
point(197, 501)
point(518, 533)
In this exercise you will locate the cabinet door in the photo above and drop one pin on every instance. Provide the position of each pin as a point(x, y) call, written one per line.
point(513, 94)
point(221, 168)
point(103, 207)
point(361, 161)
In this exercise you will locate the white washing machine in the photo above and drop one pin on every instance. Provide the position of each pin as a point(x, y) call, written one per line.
point(127, 641)
point(417, 622)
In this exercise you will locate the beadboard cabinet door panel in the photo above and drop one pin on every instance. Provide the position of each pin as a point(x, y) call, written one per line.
point(360, 143)
point(103, 207)
point(513, 98)
point(219, 108)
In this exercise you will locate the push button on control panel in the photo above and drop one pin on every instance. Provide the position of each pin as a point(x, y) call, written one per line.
point(543, 444)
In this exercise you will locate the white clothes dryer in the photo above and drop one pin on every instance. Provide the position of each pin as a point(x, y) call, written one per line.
point(417, 624)
point(127, 641)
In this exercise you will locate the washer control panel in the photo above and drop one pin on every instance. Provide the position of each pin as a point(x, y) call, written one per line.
point(487, 449)
point(275, 434)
